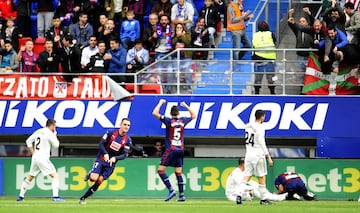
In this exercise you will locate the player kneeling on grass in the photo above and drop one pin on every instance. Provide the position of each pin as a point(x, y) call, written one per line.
point(174, 143)
point(114, 145)
point(291, 183)
point(40, 143)
point(233, 187)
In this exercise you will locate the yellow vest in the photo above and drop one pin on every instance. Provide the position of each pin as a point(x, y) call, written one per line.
point(231, 26)
point(264, 40)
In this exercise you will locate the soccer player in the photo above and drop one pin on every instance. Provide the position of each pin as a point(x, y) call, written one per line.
point(114, 146)
point(256, 150)
point(40, 143)
point(291, 183)
point(174, 144)
point(233, 186)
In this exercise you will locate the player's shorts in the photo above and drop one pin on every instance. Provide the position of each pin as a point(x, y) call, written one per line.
point(173, 158)
point(102, 168)
point(296, 186)
point(255, 165)
point(41, 164)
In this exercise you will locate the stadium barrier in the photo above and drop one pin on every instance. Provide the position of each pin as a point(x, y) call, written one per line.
point(205, 178)
point(2, 174)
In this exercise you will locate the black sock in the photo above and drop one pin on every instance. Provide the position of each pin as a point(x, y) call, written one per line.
point(90, 191)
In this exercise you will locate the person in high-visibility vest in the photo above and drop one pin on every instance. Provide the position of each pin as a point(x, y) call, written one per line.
point(236, 18)
point(264, 39)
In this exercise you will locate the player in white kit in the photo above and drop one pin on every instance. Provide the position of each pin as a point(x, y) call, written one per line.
point(40, 143)
point(233, 186)
point(256, 151)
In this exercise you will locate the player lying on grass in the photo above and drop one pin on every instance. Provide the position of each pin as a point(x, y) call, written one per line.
point(40, 143)
point(114, 146)
point(233, 187)
point(291, 183)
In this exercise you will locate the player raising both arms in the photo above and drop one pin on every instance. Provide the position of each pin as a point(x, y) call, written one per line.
point(256, 150)
point(40, 143)
point(174, 144)
point(114, 145)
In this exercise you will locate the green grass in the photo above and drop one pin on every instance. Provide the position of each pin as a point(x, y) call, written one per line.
point(119, 205)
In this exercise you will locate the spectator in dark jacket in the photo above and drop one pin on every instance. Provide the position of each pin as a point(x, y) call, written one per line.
point(149, 34)
point(70, 56)
point(200, 38)
point(23, 18)
point(108, 32)
point(57, 32)
point(162, 7)
point(212, 17)
point(335, 15)
point(48, 59)
point(100, 61)
point(11, 33)
point(117, 64)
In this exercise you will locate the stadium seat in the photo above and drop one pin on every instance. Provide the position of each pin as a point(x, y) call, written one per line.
point(39, 45)
point(23, 40)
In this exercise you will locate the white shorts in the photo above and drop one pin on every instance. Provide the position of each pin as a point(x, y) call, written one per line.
point(41, 164)
point(255, 165)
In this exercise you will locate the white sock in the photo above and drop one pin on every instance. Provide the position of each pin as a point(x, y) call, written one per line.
point(263, 191)
point(24, 187)
point(55, 187)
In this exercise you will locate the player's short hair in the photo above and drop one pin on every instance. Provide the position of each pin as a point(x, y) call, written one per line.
point(259, 113)
point(241, 160)
point(174, 111)
point(50, 122)
point(125, 119)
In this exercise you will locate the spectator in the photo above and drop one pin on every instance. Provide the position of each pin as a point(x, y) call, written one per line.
point(99, 62)
point(88, 51)
point(48, 59)
point(221, 7)
point(108, 32)
point(11, 33)
point(130, 30)
point(117, 64)
point(157, 149)
point(81, 31)
point(353, 25)
point(70, 56)
point(93, 8)
point(264, 39)
point(57, 32)
point(335, 15)
point(103, 18)
point(139, 7)
point(349, 54)
point(162, 7)
point(212, 17)
point(115, 11)
point(136, 59)
point(7, 10)
point(318, 31)
point(149, 34)
point(336, 39)
point(236, 18)
point(23, 18)
point(183, 12)
point(182, 39)
point(163, 47)
point(44, 16)
point(200, 38)
point(303, 39)
point(27, 57)
point(291, 183)
point(8, 58)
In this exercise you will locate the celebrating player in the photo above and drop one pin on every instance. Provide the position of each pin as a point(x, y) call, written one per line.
point(174, 144)
point(233, 186)
point(40, 143)
point(256, 150)
point(114, 145)
point(291, 183)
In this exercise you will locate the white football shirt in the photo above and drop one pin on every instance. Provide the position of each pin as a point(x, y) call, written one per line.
point(255, 140)
point(42, 140)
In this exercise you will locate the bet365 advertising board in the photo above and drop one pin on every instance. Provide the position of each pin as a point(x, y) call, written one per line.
point(329, 179)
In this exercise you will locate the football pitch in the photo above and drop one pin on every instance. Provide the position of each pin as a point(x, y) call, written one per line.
point(118, 205)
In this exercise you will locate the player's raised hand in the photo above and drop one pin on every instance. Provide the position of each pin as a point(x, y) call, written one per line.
point(183, 104)
point(106, 157)
point(112, 160)
point(162, 101)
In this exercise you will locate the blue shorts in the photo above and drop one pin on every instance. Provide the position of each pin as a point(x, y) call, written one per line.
point(102, 168)
point(296, 186)
point(173, 158)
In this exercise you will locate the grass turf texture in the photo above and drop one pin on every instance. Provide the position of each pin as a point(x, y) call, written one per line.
point(33, 205)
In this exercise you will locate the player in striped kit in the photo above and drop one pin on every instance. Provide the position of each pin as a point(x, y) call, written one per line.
point(174, 144)
point(291, 183)
point(256, 151)
point(114, 146)
point(40, 143)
